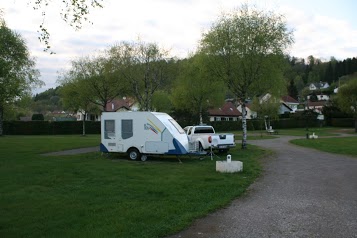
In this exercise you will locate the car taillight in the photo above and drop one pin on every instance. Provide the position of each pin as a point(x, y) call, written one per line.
point(210, 139)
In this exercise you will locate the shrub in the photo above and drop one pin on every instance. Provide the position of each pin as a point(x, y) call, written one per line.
point(38, 117)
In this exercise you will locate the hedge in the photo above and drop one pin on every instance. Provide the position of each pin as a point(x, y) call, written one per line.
point(75, 127)
point(343, 122)
point(49, 127)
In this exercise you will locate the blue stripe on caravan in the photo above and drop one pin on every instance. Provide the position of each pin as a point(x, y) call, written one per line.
point(103, 148)
point(179, 149)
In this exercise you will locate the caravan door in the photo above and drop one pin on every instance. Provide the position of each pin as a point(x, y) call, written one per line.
point(111, 140)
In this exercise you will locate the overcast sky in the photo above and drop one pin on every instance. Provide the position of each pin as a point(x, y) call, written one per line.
point(321, 28)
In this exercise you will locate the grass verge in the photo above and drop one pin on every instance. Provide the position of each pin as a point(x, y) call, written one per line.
point(320, 131)
point(90, 195)
point(340, 145)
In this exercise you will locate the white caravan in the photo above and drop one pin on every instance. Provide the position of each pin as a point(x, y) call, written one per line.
point(142, 133)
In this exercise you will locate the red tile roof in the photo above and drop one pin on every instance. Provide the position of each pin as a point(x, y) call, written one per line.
point(116, 104)
point(228, 110)
point(288, 99)
point(316, 104)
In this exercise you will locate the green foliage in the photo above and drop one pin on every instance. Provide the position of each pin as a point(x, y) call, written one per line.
point(313, 97)
point(47, 95)
point(73, 12)
point(143, 66)
point(196, 89)
point(342, 122)
point(347, 98)
point(269, 107)
point(292, 90)
point(92, 80)
point(37, 117)
point(161, 101)
point(93, 196)
point(247, 48)
point(17, 73)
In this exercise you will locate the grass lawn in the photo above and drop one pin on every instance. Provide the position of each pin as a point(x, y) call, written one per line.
point(320, 131)
point(341, 145)
point(90, 195)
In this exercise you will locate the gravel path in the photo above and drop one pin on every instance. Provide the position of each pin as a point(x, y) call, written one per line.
point(303, 193)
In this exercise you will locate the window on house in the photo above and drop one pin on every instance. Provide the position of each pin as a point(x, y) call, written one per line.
point(109, 129)
point(126, 129)
point(218, 119)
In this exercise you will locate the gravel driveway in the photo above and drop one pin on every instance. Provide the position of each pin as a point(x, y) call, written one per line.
point(303, 193)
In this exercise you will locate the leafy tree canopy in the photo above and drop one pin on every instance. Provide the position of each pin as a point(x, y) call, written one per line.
point(347, 98)
point(17, 68)
point(247, 47)
point(73, 12)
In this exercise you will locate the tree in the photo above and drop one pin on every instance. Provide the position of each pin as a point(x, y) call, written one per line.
point(161, 101)
point(267, 109)
point(143, 66)
point(38, 117)
point(96, 78)
point(78, 100)
point(17, 72)
point(347, 98)
point(313, 97)
point(196, 89)
point(292, 90)
point(247, 48)
point(299, 83)
point(73, 12)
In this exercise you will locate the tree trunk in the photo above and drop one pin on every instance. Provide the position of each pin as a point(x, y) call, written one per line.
point(201, 120)
point(84, 124)
point(244, 126)
point(1, 120)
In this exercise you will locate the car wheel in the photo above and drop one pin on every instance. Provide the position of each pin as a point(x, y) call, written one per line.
point(200, 147)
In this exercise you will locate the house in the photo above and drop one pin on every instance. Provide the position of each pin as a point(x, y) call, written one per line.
point(115, 105)
point(315, 106)
point(284, 108)
point(318, 86)
point(228, 112)
point(320, 97)
point(290, 102)
point(287, 103)
point(250, 113)
point(323, 97)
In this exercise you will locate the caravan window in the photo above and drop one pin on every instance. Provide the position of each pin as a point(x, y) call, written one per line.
point(109, 129)
point(177, 126)
point(126, 129)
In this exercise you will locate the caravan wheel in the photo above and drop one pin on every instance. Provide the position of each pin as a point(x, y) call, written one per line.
point(133, 153)
point(144, 157)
